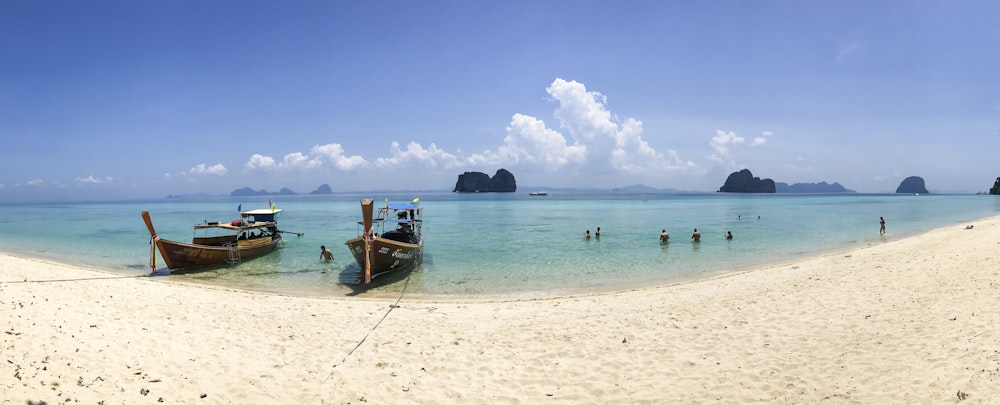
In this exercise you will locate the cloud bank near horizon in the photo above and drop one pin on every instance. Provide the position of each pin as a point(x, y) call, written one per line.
point(588, 139)
point(585, 140)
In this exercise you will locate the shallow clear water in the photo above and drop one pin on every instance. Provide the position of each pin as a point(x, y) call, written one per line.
point(496, 244)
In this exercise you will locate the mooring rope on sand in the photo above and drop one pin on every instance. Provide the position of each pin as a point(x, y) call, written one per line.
point(63, 280)
point(363, 339)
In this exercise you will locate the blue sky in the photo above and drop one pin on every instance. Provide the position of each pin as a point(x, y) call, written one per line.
point(141, 99)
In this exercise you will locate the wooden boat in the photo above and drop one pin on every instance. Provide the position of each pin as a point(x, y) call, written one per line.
point(379, 251)
point(254, 234)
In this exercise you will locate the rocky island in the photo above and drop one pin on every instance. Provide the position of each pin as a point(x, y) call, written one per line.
point(912, 185)
point(477, 182)
point(743, 181)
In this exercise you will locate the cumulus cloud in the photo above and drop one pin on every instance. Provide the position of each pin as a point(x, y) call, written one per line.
point(762, 139)
point(217, 169)
point(319, 156)
point(299, 160)
point(93, 180)
point(416, 155)
point(588, 138)
point(260, 162)
point(529, 141)
point(334, 154)
point(722, 144)
point(599, 136)
point(725, 145)
point(36, 182)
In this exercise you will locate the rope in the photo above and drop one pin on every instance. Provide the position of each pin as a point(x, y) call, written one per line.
point(63, 280)
point(363, 339)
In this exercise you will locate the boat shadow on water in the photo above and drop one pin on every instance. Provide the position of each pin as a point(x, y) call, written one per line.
point(388, 283)
point(255, 267)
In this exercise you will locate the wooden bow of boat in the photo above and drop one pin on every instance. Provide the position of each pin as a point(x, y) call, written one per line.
point(367, 210)
point(154, 240)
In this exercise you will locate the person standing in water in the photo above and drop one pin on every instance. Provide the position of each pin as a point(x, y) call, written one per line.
point(881, 226)
point(664, 236)
point(729, 235)
point(696, 235)
point(325, 254)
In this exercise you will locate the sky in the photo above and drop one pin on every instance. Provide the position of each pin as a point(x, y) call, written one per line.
point(107, 100)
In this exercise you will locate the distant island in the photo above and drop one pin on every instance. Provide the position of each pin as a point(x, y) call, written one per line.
point(249, 192)
point(821, 187)
point(912, 185)
point(477, 182)
point(743, 181)
point(322, 189)
point(996, 187)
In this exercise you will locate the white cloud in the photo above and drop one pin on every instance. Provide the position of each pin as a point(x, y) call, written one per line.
point(762, 139)
point(217, 169)
point(722, 144)
point(92, 180)
point(416, 155)
point(334, 154)
point(529, 141)
point(585, 116)
point(299, 160)
point(36, 182)
point(590, 140)
point(319, 156)
point(260, 163)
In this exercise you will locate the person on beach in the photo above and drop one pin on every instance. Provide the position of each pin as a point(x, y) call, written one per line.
point(664, 236)
point(598, 233)
point(586, 235)
point(881, 226)
point(325, 254)
point(729, 235)
point(696, 235)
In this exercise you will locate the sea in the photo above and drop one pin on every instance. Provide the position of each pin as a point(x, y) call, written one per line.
point(492, 244)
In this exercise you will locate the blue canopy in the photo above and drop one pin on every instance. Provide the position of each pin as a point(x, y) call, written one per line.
point(404, 206)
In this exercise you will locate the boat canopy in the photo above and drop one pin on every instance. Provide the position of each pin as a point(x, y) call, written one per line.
point(235, 226)
point(262, 215)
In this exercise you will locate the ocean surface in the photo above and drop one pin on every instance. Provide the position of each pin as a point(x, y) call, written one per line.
point(505, 244)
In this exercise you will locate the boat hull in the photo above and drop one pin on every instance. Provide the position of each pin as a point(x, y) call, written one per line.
point(180, 255)
point(387, 255)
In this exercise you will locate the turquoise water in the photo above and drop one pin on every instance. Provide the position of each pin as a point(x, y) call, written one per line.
point(496, 244)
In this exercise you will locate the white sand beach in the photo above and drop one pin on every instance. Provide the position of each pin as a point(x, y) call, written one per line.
point(914, 320)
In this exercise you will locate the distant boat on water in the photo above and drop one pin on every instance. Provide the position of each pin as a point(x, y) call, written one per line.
point(254, 234)
point(538, 193)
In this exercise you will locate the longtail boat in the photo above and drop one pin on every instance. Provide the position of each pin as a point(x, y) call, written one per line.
point(379, 251)
point(254, 234)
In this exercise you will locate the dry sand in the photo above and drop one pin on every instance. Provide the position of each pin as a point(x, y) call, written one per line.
point(913, 320)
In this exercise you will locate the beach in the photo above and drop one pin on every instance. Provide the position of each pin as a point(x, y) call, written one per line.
point(908, 320)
